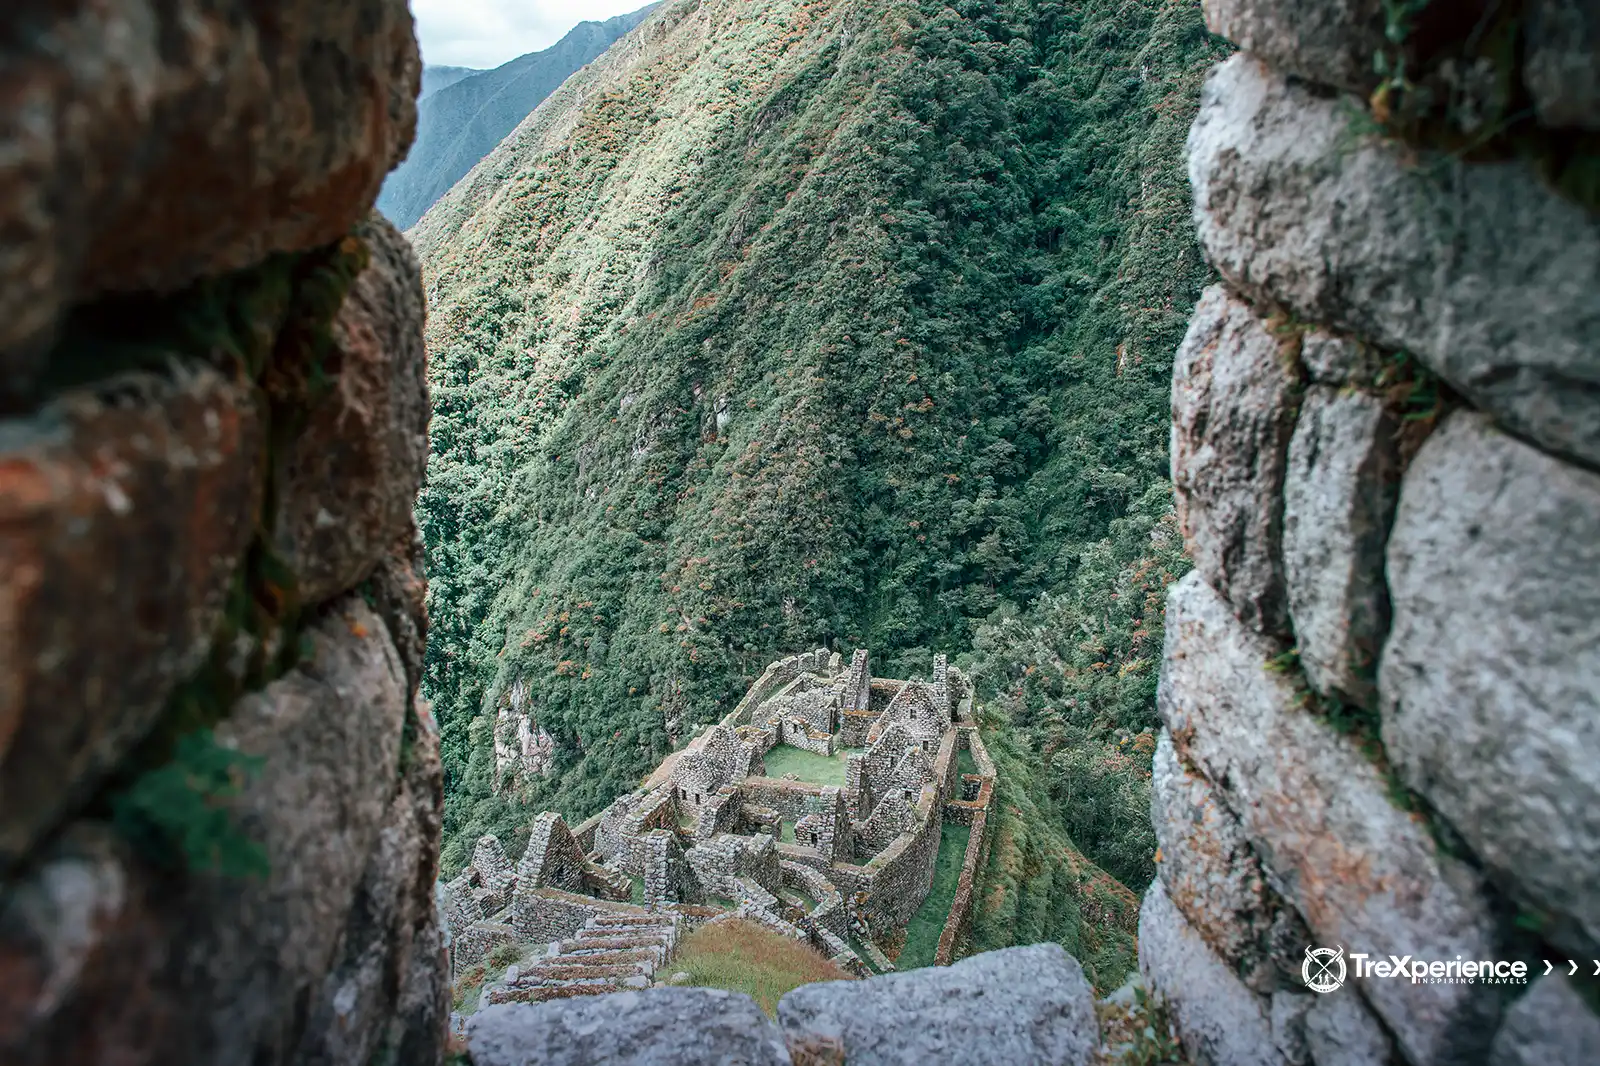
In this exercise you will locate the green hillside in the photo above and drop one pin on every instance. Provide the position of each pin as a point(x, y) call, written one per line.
point(843, 322)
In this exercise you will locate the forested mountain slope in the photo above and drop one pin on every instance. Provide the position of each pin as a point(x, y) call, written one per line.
point(462, 116)
point(835, 321)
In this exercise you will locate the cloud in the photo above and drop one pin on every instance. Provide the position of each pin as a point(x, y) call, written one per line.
point(486, 33)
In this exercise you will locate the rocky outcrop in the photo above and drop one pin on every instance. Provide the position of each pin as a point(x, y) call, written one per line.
point(152, 143)
point(1027, 1006)
point(1018, 1005)
point(661, 1027)
point(1480, 270)
point(220, 793)
point(1405, 759)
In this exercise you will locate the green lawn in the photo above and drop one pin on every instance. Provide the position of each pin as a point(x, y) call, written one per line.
point(965, 763)
point(636, 895)
point(922, 935)
point(808, 766)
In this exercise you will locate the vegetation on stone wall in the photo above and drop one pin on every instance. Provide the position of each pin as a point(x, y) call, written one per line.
point(838, 323)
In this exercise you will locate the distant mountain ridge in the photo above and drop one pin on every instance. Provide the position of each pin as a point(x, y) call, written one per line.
point(436, 78)
point(460, 118)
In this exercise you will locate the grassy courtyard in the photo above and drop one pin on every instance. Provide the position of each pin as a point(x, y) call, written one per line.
point(810, 767)
point(922, 935)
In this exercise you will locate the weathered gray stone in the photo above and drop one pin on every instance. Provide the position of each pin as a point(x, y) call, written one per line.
point(1209, 872)
point(1341, 1031)
point(1339, 498)
point(1000, 1008)
point(1562, 65)
point(1233, 400)
point(347, 483)
point(1220, 1021)
point(1488, 276)
point(1550, 1026)
point(328, 735)
point(125, 509)
point(1335, 360)
point(1363, 873)
point(1491, 676)
point(387, 998)
point(660, 1027)
point(1330, 41)
point(1286, 1016)
point(399, 592)
point(149, 143)
point(229, 971)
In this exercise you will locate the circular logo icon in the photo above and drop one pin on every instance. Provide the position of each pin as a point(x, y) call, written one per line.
point(1323, 969)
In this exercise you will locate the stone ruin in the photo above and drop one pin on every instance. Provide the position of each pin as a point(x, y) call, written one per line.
point(710, 836)
point(1380, 681)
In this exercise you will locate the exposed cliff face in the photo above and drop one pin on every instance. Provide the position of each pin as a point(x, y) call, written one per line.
point(1379, 682)
point(219, 793)
point(461, 120)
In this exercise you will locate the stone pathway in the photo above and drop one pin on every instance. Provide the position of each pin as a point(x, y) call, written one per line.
point(612, 952)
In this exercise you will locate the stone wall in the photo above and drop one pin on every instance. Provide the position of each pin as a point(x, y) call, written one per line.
point(1381, 683)
point(220, 794)
point(974, 813)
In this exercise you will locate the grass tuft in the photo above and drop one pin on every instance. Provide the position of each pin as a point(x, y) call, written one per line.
point(741, 956)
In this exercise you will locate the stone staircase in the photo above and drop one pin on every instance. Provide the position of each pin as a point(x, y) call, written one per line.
point(611, 953)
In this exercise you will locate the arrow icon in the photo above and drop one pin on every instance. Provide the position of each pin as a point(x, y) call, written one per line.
point(1597, 967)
point(1574, 968)
point(1547, 967)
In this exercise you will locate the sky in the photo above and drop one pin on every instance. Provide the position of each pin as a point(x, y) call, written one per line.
point(486, 33)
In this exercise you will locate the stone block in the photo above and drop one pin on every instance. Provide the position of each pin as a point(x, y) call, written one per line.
point(658, 1027)
point(347, 483)
point(998, 1008)
point(1210, 873)
point(1550, 1026)
point(1234, 390)
point(1341, 1031)
point(1562, 66)
point(149, 144)
point(1339, 498)
point(1491, 676)
point(1328, 41)
point(125, 510)
point(1362, 872)
point(386, 997)
point(203, 968)
point(1480, 270)
point(1333, 360)
point(1220, 1022)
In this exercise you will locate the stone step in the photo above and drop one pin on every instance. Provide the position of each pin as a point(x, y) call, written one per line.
point(562, 970)
point(631, 957)
point(595, 943)
point(543, 993)
point(604, 920)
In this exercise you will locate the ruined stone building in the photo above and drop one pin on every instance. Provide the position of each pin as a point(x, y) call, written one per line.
point(709, 834)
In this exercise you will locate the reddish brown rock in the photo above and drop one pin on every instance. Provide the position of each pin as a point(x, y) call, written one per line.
point(347, 484)
point(147, 143)
point(124, 511)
